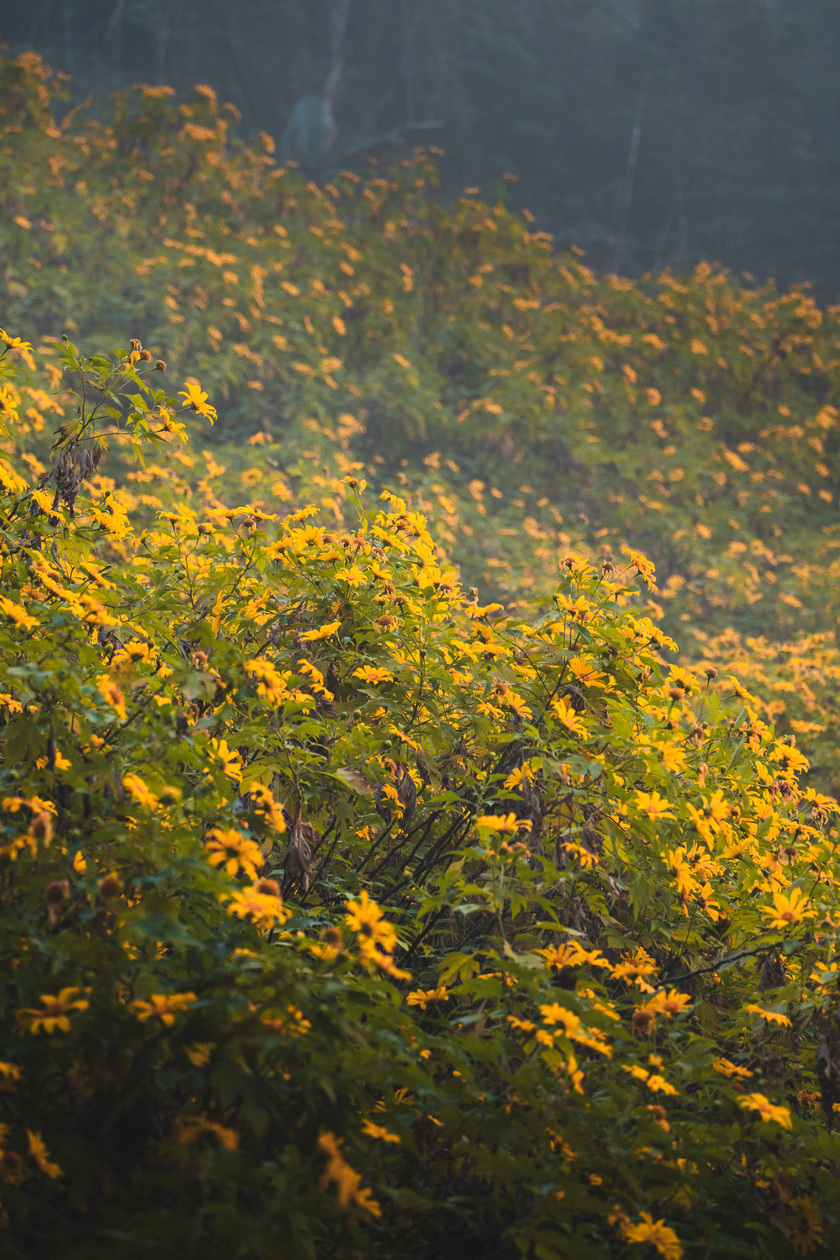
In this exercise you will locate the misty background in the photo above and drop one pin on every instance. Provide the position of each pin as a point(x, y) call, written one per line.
point(650, 133)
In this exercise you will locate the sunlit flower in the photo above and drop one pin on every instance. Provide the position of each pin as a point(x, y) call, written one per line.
point(787, 909)
point(501, 822)
point(233, 852)
point(365, 918)
point(195, 397)
point(772, 1017)
point(323, 632)
point(654, 805)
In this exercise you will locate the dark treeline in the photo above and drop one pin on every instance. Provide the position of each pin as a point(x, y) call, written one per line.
point(649, 132)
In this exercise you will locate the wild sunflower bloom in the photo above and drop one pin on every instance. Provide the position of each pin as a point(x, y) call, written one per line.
point(787, 910)
point(772, 1017)
point(669, 1003)
point(138, 791)
point(767, 1110)
point(654, 805)
point(233, 852)
point(266, 910)
point(501, 822)
point(271, 683)
point(323, 632)
point(644, 567)
point(195, 397)
point(365, 918)
point(163, 1006)
point(657, 1233)
point(422, 997)
point(557, 1014)
point(55, 1011)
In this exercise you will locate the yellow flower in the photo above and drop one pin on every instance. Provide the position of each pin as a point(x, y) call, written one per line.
point(556, 1014)
point(196, 398)
point(669, 1003)
point(266, 909)
point(644, 567)
point(728, 1069)
point(654, 805)
point(660, 1235)
point(38, 1151)
point(787, 910)
point(162, 1006)
point(230, 759)
point(767, 1110)
point(376, 1131)
point(772, 1017)
point(346, 1181)
point(422, 997)
point(234, 852)
point(112, 695)
point(17, 614)
point(365, 918)
point(652, 1080)
point(501, 822)
point(134, 785)
point(271, 684)
point(323, 632)
point(55, 1011)
point(563, 709)
point(373, 674)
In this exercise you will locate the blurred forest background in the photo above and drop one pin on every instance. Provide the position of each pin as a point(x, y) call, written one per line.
point(650, 132)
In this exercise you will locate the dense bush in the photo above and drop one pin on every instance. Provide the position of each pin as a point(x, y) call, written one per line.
point(344, 911)
point(341, 914)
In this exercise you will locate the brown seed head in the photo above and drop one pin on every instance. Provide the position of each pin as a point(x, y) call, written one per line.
point(56, 892)
point(268, 887)
point(109, 887)
point(40, 827)
point(160, 365)
point(145, 355)
point(643, 1021)
point(332, 936)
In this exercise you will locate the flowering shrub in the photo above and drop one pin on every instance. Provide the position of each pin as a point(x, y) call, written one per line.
point(341, 912)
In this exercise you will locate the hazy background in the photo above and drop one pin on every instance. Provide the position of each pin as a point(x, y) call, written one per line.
point(649, 132)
